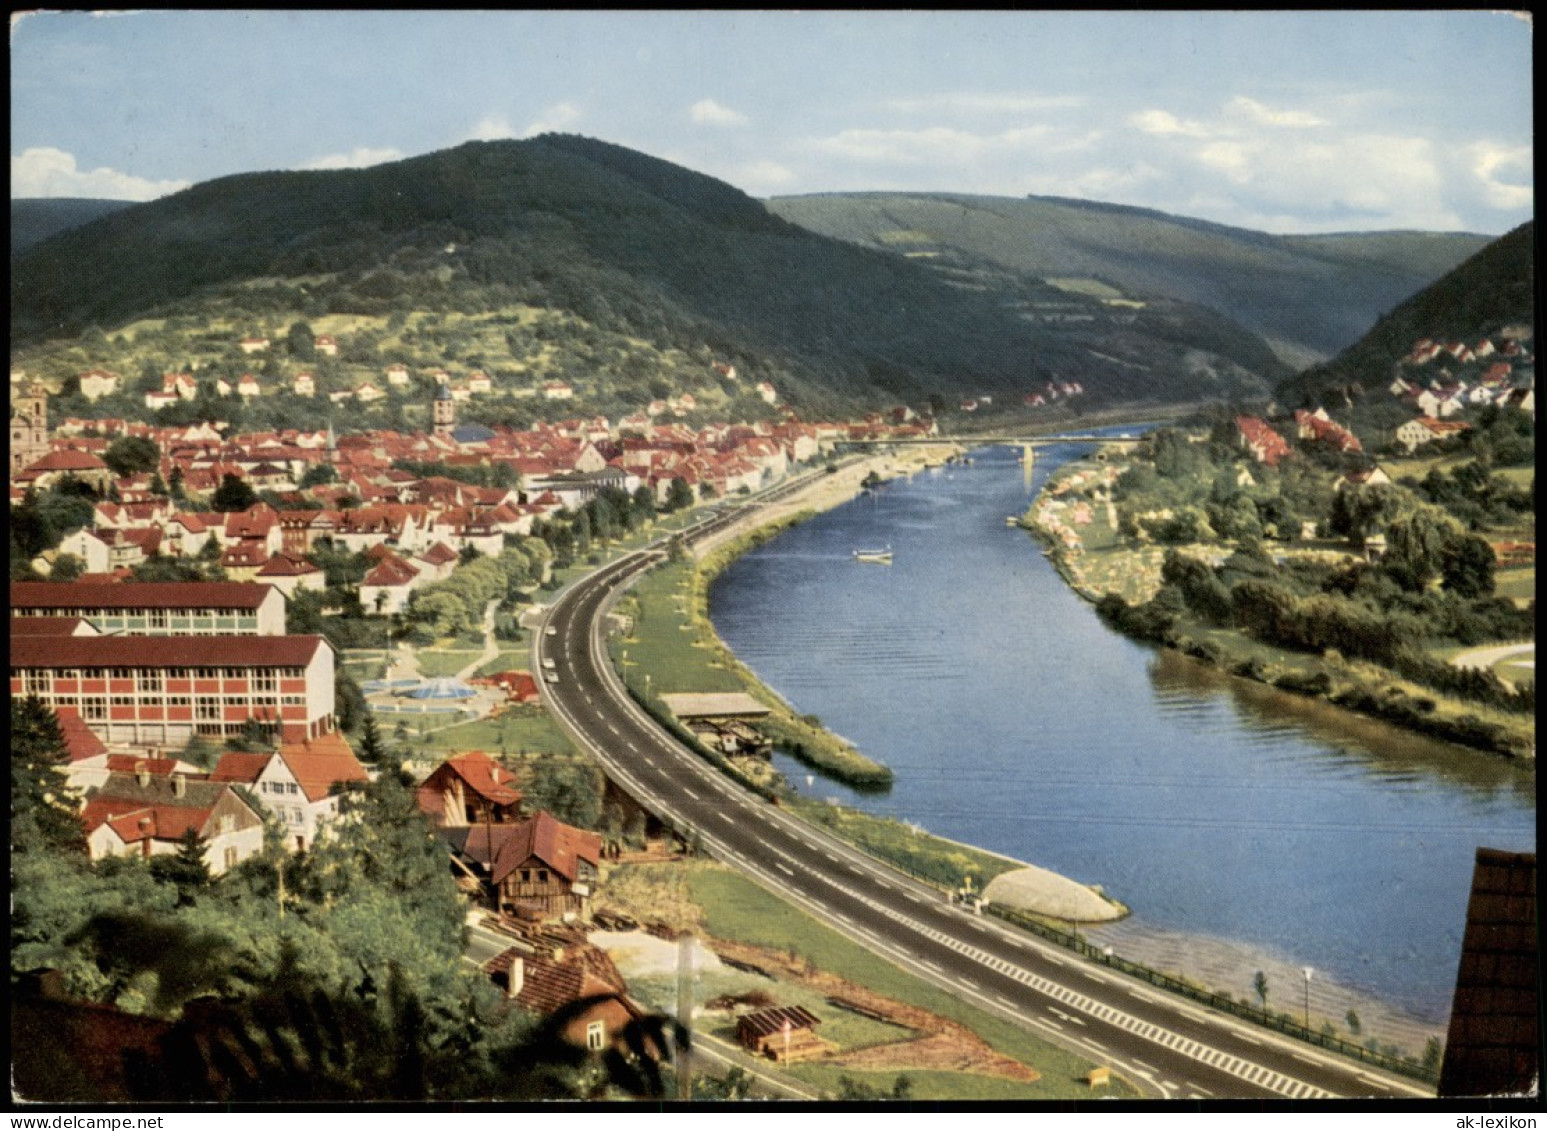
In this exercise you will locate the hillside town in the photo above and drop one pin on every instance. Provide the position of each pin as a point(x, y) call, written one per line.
point(224, 739)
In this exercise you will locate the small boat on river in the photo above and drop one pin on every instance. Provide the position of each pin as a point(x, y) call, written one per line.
point(876, 557)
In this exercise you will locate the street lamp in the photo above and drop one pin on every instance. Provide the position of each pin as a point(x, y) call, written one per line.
point(1307, 971)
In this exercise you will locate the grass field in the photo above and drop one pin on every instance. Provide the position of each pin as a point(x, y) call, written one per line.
point(434, 663)
point(1518, 584)
point(663, 641)
point(735, 908)
point(528, 729)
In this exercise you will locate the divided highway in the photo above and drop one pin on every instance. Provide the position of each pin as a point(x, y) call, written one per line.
point(1165, 1046)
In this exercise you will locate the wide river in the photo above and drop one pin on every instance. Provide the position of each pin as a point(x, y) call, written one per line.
point(1236, 818)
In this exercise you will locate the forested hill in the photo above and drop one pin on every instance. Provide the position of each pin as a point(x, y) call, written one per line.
point(33, 221)
point(1309, 295)
point(1493, 289)
point(628, 243)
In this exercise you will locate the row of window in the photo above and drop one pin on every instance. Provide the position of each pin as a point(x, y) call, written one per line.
point(94, 707)
point(158, 617)
point(35, 680)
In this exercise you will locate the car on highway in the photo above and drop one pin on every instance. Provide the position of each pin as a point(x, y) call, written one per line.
point(549, 665)
point(550, 631)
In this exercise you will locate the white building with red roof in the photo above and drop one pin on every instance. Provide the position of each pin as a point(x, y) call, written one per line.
point(141, 814)
point(128, 690)
point(97, 383)
point(298, 784)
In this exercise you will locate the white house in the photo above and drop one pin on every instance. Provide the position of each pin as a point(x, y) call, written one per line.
point(98, 383)
point(297, 784)
point(145, 815)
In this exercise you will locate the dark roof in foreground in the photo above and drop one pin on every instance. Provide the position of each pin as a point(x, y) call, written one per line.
point(1492, 1046)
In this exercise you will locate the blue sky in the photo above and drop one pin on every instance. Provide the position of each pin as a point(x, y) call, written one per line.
point(1284, 122)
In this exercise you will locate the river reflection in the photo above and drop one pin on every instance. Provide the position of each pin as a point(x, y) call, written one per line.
point(1013, 719)
point(1386, 752)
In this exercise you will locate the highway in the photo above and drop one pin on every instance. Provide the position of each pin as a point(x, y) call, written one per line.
point(1165, 1046)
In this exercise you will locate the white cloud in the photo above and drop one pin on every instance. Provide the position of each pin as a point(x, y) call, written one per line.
point(1164, 123)
point(1255, 111)
point(985, 103)
point(708, 112)
point(492, 128)
point(554, 118)
point(1489, 159)
point(936, 145)
point(759, 177)
point(45, 172)
point(361, 158)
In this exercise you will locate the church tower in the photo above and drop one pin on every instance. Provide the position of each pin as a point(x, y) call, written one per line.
point(445, 412)
point(29, 426)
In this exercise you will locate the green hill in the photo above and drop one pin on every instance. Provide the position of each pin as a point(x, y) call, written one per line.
point(628, 244)
point(33, 221)
point(1493, 289)
point(1309, 296)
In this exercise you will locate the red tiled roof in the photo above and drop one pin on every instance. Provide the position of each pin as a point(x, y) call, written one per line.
point(239, 766)
point(766, 1022)
point(559, 846)
point(79, 740)
point(547, 985)
point(156, 767)
point(139, 595)
point(390, 571)
point(484, 776)
point(320, 764)
point(164, 652)
point(283, 565)
point(49, 626)
point(68, 459)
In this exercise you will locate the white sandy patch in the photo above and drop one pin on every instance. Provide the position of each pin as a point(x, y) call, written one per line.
point(1047, 893)
point(638, 954)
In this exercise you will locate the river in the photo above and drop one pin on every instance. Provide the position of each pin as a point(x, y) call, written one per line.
point(1244, 827)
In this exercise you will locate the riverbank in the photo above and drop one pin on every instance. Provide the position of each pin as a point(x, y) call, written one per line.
point(1076, 521)
point(672, 645)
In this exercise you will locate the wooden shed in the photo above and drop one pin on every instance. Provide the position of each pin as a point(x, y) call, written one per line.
point(781, 1032)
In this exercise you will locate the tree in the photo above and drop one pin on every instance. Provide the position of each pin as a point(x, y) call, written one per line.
point(130, 455)
point(175, 484)
point(349, 702)
point(372, 749)
point(301, 342)
point(1260, 984)
point(569, 788)
point(233, 494)
point(1416, 543)
point(43, 817)
point(187, 869)
point(1353, 1022)
point(67, 567)
point(1466, 567)
point(317, 475)
point(679, 495)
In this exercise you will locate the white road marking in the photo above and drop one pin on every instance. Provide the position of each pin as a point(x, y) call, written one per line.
point(1249, 1040)
point(727, 818)
point(785, 870)
point(969, 983)
point(1306, 1060)
point(690, 793)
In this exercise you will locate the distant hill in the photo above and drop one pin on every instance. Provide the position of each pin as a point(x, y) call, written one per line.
point(631, 244)
point(1309, 296)
point(1493, 289)
point(33, 221)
